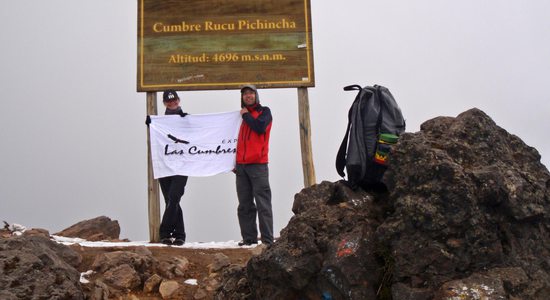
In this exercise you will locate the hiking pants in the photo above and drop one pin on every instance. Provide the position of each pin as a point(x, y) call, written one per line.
point(172, 188)
point(253, 186)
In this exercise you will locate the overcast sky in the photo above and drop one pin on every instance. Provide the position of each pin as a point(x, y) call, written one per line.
point(72, 133)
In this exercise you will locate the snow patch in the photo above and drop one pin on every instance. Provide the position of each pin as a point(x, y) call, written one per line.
point(193, 245)
point(84, 275)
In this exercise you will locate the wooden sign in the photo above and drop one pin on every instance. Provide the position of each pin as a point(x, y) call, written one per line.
point(223, 44)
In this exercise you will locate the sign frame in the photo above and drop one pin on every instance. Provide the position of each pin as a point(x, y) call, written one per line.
point(267, 54)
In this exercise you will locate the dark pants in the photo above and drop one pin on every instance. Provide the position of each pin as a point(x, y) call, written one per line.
point(172, 188)
point(253, 186)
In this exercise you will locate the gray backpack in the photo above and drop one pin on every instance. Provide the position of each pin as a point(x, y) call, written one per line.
point(374, 125)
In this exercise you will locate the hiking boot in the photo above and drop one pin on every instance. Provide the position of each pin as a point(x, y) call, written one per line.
point(166, 241)
point(178, 242)
point(247, 243)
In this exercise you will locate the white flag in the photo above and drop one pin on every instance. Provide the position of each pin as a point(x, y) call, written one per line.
point(195, 145)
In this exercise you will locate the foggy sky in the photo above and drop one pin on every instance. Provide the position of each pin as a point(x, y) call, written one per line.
point(72, 133)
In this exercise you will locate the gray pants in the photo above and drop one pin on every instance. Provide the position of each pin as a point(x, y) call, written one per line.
point(253, 185)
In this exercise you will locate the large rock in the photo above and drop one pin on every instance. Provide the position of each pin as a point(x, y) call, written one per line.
point(235, 285)
point(326, 249)
point(169, 289)
point(152, 284)
point(143, 263)
point(97, 229)
point(219, 262)
point(468, 212)
point(468, 197)
point(34, 267)
point(176, 266)
point(123, 277)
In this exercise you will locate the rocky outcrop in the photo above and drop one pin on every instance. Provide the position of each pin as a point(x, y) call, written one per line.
point(96, 229)
point(120, 272)
point(234, 285)
point(34, 267)
point(467, 216)
point(469, 198)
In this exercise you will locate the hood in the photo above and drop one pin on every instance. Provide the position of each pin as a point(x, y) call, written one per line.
point(252, 87)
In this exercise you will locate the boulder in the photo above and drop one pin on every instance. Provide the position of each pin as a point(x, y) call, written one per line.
point(100, 291)
point(141, 261)
point(326, 249)
point(220, 261)
point(467, 213)
point(38, 267)
point(37, 231)
point(467, 196)
point(123, 277)
point(212, 282)
point(97, 229)
point(174, 267)
point(169, 289)
point(152, 284)
point(234, 285)
point(476, 286)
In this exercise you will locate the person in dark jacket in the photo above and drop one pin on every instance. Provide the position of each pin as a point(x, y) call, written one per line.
point(252, 172)
point(172, 229)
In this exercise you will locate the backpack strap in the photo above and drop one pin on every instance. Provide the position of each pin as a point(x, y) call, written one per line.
point(352, 87)
point(341, 156)
point(382, 104)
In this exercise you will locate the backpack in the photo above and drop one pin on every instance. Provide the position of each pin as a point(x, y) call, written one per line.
point(374, 125)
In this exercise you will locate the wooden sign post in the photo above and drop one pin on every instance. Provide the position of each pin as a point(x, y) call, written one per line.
point(305, 137)
point(218, 44)
point(152, 183)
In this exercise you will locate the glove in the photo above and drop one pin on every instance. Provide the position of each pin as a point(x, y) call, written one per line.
point(182, 114)
point(147, 121)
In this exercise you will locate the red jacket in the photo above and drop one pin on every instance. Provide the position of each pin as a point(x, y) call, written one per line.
point(253, 143)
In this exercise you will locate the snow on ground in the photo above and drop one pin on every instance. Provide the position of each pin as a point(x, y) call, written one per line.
point(84, 276)
point(17, 229)
point(194, 245)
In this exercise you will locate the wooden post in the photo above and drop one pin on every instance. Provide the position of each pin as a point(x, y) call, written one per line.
point(153, 186)
point(305, 137)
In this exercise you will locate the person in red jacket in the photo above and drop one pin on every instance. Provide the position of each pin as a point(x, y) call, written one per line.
point(252, 172)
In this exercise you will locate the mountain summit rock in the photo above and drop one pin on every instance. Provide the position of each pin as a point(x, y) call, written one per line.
point(467, 216)
point(96, 229)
